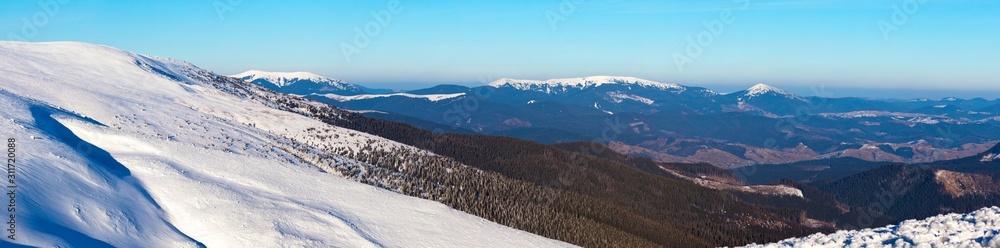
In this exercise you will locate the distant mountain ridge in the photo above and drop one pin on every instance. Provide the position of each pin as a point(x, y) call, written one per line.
point(760, 125)
point(300, 83)
point(585, 82)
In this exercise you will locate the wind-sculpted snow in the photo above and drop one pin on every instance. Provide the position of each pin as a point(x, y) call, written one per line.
point(977, 229)
point(128, 150)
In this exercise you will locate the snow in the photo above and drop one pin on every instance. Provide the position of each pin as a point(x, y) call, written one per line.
point(429, 97)
point(762, 89)
point(208, 193)
point(924, 120)
point(870, 123)
point(757, 189)
point(619, 97)
point(976, 229)
point(870, 147)
point(132, 150)
point(906, 118)
point(870, 114)
point(367, 111)
point(598, 107)
point(990, 157)
point(562, 84)
point(284, 79)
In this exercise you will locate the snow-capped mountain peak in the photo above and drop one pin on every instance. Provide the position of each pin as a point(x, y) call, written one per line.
point(298, 82)
point(761, 89)
point(585, 82)
point(283, 79)
point(764, 89)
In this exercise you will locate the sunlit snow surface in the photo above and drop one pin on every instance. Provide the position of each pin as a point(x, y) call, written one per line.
point(120, 149)
point(976, 229)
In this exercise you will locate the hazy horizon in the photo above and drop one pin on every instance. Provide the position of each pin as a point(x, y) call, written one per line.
point(932, 49)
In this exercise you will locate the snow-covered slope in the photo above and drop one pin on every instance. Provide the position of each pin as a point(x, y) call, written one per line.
point(121, 149)
point(562, 84)
point(977, 229)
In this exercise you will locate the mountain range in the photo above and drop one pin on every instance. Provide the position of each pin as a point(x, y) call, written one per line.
point(677, 123)
point(299, 83)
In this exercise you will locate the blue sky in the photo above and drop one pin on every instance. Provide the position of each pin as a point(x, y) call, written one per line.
point(932, 45)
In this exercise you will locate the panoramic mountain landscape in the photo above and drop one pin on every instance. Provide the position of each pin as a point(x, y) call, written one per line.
point(68, 97)
point(771, 123)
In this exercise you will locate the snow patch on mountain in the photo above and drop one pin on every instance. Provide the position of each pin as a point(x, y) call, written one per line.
point(876, 113)
point(598, 107)
point(990, 157)
point(871, 146)
point(619, 97)
point(430, 97)
point(756, 189)
point(924, 120)
point(977, 229)
point(910, 119)
point(563, 84)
